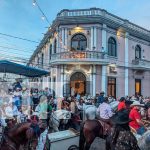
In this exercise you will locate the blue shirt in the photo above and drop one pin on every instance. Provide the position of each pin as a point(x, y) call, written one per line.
point(100, 99)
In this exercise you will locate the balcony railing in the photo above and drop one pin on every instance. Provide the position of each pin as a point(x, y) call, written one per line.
point(79, 56)
point(141, 64)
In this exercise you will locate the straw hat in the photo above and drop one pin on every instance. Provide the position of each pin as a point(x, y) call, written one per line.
point(136, 103)
point(24, 88)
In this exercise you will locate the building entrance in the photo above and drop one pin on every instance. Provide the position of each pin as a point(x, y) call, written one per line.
point(78, 84)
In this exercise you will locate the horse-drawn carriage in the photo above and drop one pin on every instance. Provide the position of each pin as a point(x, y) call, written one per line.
point(65, 140)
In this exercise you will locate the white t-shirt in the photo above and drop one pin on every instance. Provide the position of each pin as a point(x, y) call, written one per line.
point(9, 111)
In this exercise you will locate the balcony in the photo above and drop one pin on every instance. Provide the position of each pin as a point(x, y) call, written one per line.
point(140, 64)
point(79, 57)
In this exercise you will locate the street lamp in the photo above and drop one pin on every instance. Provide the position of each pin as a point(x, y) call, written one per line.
point(34, 3)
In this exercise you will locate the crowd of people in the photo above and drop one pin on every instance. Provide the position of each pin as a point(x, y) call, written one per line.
point(20, 103)
point(128, 121)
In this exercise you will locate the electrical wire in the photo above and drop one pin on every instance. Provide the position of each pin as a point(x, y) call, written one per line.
point(16, 54)
point(5, 47)
point(48, 23)
point(45, 64)
point(20, 38)
point(17, 49)
point(38, 6)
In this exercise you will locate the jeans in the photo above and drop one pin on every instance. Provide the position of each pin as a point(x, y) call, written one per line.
point(141, 131)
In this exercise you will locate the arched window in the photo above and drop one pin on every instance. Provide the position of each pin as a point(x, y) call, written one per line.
point(38, 60)
point(112, 47)
point(50, 51)
point(78, 42)
point(42, 59)
point(55, 46)
point(137, 52)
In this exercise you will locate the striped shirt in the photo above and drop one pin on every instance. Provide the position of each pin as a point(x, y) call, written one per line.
point(105, 111)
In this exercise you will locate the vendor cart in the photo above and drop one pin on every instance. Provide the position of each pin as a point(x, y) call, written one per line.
point(63, 140)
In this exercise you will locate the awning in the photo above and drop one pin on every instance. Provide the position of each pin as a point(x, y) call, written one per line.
point(11, 67)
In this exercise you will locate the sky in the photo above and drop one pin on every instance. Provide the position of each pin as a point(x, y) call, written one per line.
point(21, 19)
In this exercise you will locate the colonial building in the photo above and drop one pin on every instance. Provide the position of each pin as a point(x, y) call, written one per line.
point(91, 50)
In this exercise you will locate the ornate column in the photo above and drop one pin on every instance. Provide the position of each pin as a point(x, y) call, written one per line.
point(58, 41)
point(56, 81)
point(61, 81)
point(95, 37)
point(104, 68)
point(94, 80)
point(62, 39)
point(104, 79)
point(64, 81)
point(126, 64)
point(51, 84)
point(91, 80)
point(92, 38)
point(104, 38)
point(66, 38)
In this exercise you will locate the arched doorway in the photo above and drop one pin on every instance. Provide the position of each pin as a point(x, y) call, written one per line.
point(78, 83)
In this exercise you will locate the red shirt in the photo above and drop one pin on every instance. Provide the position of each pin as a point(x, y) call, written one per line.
point(121, 105)
point(134, 114)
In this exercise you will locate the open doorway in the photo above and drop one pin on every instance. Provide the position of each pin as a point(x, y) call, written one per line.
point(78, 84)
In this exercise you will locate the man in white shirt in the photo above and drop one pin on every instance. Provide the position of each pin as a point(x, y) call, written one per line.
point(11, 110)
point(105, 111)
point(8, 113)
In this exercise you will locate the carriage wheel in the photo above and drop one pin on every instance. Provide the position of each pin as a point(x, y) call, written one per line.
point(73, 147)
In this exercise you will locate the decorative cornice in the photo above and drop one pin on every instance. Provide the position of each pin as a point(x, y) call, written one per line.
point(93, 16)
point(103, 14)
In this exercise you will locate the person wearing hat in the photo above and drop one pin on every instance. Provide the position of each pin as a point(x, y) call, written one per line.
point(122, 104)
point(35, 97)
point(105, 111)
point(43, 107)
point(73, 106)
point(9, 114)
point(121, 138)
point(100, 99)
point(135, 116)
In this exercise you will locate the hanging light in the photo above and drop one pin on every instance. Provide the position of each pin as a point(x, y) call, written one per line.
point(34, 3)
point(43, 18)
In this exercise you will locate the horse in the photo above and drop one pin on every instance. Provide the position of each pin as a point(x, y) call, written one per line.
point(89, 112)
point(89, 130)
point(59, 118)
point(75, 121)
point(21, 135)
point(144, 140)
